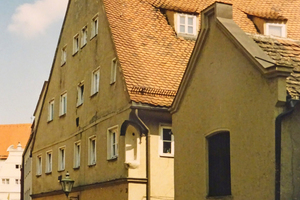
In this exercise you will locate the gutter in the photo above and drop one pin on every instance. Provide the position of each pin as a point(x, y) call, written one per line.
point(290, 104)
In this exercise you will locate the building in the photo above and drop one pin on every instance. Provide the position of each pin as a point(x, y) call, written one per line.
point(104, 116)
point(235, 117)
point(12, 136)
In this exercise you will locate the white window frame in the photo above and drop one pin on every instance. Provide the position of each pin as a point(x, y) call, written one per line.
point(92, 150)
point(95, 83)
point(94, 26)
point(76, 41)
point(84, 38)
point(112, 142)
point(113, 71)
point(51, 110)
point(282, 26)
point(80, 94)
point(49, 157)
point(63, 104)
point(61, 158)
point(77, 153)
point(186, 16)
point(161, 142)
point(39, 165)
point(63, 55)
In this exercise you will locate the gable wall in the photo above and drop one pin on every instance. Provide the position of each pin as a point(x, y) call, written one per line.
point(109, 107)
point(226, 92)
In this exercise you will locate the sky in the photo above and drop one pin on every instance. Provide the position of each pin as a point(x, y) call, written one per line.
point(28, 38)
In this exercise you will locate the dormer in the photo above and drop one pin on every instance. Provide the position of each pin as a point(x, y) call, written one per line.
point(186, 25)
point(272, 27)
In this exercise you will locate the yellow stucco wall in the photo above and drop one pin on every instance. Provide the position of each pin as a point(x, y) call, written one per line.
point(226, 93)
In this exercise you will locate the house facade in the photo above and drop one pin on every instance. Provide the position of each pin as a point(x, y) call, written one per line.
point(235, 113)
point(104, 117)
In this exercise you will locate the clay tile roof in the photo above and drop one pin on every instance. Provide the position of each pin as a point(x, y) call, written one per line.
point(284, 52)
point(152, 57)
point(12, 134)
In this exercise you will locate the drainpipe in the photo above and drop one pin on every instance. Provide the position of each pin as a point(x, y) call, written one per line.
point(148, 191)
point(291, 103)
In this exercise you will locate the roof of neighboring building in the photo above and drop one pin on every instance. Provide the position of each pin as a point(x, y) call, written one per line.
point(12, 134)
point(153, 59)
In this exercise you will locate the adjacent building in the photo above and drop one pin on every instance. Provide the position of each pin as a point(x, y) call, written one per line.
point(12, 137)
point(235, 117)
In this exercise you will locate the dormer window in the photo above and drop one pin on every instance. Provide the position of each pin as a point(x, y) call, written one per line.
point(186, 24)
point(275, 29)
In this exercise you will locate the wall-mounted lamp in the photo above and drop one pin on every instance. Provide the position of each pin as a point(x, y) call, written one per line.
point(67, 185)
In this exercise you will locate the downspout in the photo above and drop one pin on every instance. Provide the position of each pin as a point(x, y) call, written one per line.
point(148, 187)
point(291, 103)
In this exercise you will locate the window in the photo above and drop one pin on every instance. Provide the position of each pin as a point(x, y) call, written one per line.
point(63, 55)
point(61, 158)
point(276, 29)
point(49, 162)
point(113, 74)
point(166, 141)
point(219, 164)
point(75, 44)
point(39, 165)
point(92, 150)
point(63, 104)
point(17, 181)
point(94, 26)
point(51, 110)
point(186, 24)
point(77, 150)
point(17, 166)
point(95, 81)
point(5, 181)
point(80, 90)
point(112, 142)
point(84, 36)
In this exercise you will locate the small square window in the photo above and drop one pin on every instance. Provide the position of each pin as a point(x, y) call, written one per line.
point(75, 44)
point(51, 110)
point(63, 55)
point(113, 74)
point(17, 181)
point(77, 149)
point(95, 82)
point(112, 143)
point(94, 26)
point(49, 162)
point(39, 165)
point(84, 36)
point(186, 24)
point(166, 141)
point(92, 150)
point(276, 29)
point(63, 104)
point(80, 92)
point(61, 158)
point(17, 166)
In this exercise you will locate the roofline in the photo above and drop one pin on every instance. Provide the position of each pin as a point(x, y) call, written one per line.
point(222, 13)
point(40, 97)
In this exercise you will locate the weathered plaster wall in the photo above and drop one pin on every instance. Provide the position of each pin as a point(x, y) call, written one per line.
point(226, 92)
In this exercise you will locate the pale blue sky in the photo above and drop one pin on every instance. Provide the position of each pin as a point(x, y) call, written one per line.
point(29, 35)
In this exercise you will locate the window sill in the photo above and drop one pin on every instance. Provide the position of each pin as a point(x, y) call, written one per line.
point(166, 155)
point(83, 45)
point(47, 173)
point(76, 168)
point(74, 54)
point(79, 105)
point(92, 165)
point(113, 158)
point(94, 94)
point(61, 170)
point(92, 37)
point(62, 115)
point(187, 36)
point(38, 175)
point(49, 121)
point(62, 64)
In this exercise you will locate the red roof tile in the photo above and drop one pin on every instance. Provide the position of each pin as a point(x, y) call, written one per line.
point(12, 134)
